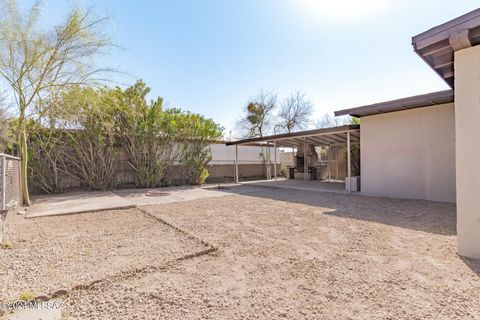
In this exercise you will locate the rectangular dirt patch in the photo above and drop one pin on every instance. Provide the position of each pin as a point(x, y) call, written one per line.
point(60, 252)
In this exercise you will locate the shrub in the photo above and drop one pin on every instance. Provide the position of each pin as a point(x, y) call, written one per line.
point(6, 245)
point(26, 296)
point(83, 136)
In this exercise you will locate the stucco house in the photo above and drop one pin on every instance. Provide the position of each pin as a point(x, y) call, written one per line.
point(420, 147)
point(428, 146)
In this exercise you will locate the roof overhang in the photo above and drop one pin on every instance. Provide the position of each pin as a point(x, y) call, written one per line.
point(437, 45)
point(420, 101)
point(326, 136)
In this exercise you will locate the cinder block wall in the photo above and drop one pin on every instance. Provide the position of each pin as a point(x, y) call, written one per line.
point(219, 173)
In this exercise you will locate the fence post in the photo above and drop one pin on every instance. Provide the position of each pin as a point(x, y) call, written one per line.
point(2, 177)
point(3, 211)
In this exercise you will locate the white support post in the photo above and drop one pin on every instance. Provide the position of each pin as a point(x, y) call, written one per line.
point(349, 165)
point(269, 165)
point(293, 156)
point(2, 177)
point(329, 163)
point(275, 162)
point(305, 161)
point(236, 164)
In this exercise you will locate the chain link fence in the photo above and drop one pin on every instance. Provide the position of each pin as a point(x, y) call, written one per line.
point(10, 190)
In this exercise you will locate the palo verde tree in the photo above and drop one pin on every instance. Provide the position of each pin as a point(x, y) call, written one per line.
point(36, 61)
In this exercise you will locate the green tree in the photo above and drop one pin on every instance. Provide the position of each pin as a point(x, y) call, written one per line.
point(195, 133)
point(86, 132)
point(77, 138)
point(3, 129)
point(147, 135)
point(157, 140)
point(34, 61)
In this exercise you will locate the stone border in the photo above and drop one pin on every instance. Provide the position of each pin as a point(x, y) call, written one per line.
point(171, 225)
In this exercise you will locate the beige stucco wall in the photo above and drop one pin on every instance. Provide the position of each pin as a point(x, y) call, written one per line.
point(409, 154)
point(467, 117)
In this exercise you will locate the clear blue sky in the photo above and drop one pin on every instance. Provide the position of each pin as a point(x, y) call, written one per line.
point(210, 56)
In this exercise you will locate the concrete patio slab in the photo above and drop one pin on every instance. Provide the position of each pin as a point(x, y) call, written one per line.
point(79, 202)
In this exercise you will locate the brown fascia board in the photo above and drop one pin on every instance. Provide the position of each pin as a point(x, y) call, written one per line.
point(419, 101)
point(438, 38)
point(441, 32)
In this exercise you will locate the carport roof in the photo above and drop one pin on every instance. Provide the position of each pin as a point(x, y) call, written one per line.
point(420, 101)
point(325, 136)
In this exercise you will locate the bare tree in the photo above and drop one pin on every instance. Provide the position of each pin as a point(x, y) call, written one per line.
point(259, 114)
point(35, 62)
point(328, 121)
point(295, 112)
point(3, 127)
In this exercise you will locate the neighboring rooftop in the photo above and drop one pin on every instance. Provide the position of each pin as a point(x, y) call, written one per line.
point(423, 100)
point(437, 45)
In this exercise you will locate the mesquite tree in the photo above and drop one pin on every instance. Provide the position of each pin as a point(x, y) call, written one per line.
point(259, 114)
point(35, 61)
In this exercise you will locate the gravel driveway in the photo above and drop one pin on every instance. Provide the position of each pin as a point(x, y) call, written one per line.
point(286, 254)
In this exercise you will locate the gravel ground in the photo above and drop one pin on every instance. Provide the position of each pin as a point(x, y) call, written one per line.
point(55, 253)
point(286, 254)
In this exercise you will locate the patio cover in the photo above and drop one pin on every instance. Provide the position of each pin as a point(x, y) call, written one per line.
point(342, 135)
point(326, 136)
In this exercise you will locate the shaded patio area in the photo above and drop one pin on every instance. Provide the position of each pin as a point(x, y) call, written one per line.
point(319, 157)
point(312, 185)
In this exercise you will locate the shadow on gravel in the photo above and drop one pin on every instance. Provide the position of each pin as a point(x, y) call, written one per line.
point(473, 264)
point(427, 216)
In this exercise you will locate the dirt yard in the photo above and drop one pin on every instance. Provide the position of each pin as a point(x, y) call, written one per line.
point(58, 253)
point(282, 254)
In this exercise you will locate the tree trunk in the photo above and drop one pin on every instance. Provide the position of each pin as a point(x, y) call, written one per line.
point(22, 142)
